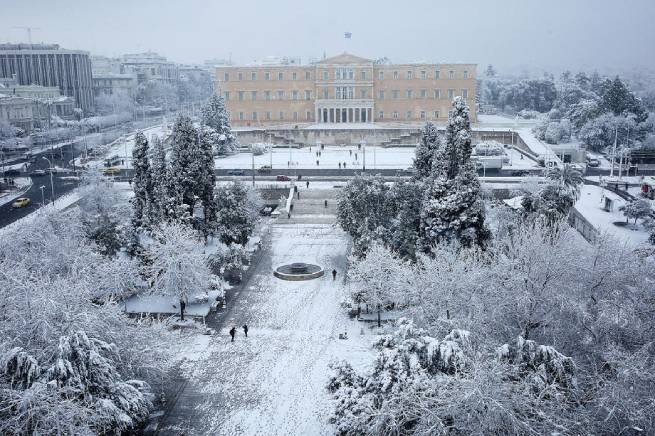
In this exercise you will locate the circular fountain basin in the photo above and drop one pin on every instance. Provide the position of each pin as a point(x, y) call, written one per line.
point(298, 271)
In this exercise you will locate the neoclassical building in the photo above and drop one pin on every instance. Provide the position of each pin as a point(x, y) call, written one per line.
point(343, 89)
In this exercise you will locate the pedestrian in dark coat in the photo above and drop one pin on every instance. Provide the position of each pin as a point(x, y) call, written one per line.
point(245, 329)
point(334, 274)
point(232, 333)
point(307, 184)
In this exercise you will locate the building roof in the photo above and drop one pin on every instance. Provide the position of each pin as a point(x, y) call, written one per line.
point(345, 59)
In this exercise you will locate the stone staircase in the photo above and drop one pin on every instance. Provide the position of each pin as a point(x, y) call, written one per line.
point(310, 208)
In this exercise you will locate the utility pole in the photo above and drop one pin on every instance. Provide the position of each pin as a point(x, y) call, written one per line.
point(52, 184)
point(252, 149)
point(616, 134)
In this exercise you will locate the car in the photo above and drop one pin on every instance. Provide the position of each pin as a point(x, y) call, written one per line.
point(235, 173)
point(282, 178)
point(12, 173)
point(265, 169)
point(111, 171)
point(593, 163)
point(406, 172)
point(20, 202)
point(38, 173)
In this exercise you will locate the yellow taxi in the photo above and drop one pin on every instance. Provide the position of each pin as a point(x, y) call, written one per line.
point(111, 171)
point(21, 202)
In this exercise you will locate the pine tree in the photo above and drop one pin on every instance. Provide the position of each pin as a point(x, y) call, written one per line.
point(207, 181)
point(159, 183)
point(216, 116)
point(141, 181)
point(185, 170)
point(452, 207)
point(425, 150)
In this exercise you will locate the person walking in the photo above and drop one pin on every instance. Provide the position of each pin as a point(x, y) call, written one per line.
point(232, 333)
point(245, 329)
point(307, 182)
point(334, 274)
point(326, 204)
point(339, 165)
point(288, 215)
point(344, 165)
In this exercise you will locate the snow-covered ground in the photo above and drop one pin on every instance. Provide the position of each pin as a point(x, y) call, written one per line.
point(590, 206)
point(273, 382)
point(22, 184)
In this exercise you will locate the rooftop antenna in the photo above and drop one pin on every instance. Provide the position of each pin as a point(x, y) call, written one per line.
point(29, 31)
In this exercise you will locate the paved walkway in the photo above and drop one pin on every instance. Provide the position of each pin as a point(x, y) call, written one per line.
point(273, 382)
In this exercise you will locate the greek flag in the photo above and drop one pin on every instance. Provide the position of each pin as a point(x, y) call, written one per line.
point(347, 35)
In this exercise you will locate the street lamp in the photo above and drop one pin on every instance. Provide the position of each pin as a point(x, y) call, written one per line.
point(363, 143)
point(42, 187)
point(52, 184)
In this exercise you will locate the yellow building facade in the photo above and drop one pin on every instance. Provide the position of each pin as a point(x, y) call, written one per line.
point(344, 89)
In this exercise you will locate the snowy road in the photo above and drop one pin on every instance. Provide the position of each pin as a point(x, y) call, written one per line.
point(273, 382)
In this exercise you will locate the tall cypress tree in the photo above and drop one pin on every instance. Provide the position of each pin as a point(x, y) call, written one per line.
point(207, 179)
point(452, 207)
point(216, 116)
point(141, 182)
point(426, 149)
point(184, 172)
point(158, 181)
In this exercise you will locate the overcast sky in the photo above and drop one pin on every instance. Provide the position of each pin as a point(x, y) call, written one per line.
point(540, 34)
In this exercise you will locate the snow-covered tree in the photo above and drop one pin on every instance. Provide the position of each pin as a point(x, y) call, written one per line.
point(216, 116)
point(426, 149)
point(637, 209)
point(159, 182)
point(206, 181)
point(569, 179)
point(141, 182)
point(235, 217)
point(177, 265)
point(185, 168)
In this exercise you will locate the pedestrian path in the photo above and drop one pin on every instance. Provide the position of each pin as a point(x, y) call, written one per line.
point(310, 207)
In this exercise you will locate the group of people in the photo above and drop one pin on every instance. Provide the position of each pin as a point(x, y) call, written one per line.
point(233, 331)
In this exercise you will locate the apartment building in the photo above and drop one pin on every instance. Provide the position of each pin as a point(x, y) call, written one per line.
point(344, 89)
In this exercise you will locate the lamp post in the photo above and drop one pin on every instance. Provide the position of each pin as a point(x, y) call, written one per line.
point(52, 184)
point(42, 187)
point(363, 143)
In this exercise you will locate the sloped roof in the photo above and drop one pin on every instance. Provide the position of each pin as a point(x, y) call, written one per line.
point(345, 59)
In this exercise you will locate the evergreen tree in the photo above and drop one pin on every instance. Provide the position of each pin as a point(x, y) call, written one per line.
point(452, 207)
point(216, 116)
point(234, 221)
point(618, 99)
point(159, 182)
point(207, 181)
point(185, 170)
point(425, 150)
point(141, 182)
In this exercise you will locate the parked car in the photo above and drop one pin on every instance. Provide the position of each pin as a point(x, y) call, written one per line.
point(406, 172)
point(12, 173)
point(20, 202)
point(519, 173)
point(111, 171)
point(282, 178)
point(235, 173)
point(264, 169)
point(38, 173)
point(593, 163)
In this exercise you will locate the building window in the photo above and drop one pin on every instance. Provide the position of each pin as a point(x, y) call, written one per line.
point(226, 95)
point(226, 77)
point(294, 95)
point(241, 116)
point(424, 74)
point(422, 115)
point(267, 95)
point(451, 74)
point(424, 93)
point(308, 116)
point(363, 75)
point(409, 75)
point(280, 95)
point(466, 74)
point(326, 93)
point(381, 94)
point(253, 76)
point(408, 115)
point(268, 116)
point(381, 115)
point(410, 93)
point(344, 73)
point(241, 95)
point(465, 93)
point(281, 115)
point(325, 74)
point(395, 94)
point(451, 94)
point(294, 75)
point(253, 95)
point(254, 116)
point(395, 75)
point(240, 76)
point(280, 75)
point(437, 93)
point(295, 116)
point(395, 114)
point(381, 75)
point(267, 76)
point(435, 114)
point(364, 93)
point(308, 75)
point(308, 95)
